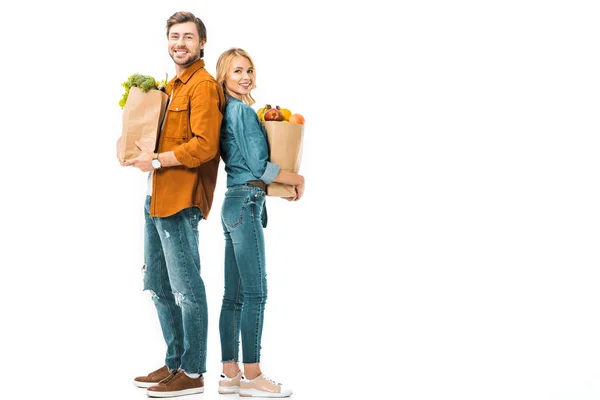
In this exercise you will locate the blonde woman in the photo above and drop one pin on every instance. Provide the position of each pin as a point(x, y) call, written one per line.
point(244, 151)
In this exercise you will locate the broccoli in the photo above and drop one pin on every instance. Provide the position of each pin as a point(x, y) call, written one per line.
point(144, 82)
point(148, 84)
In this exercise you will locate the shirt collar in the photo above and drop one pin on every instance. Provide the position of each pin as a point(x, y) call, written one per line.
point(229, 98)
point(189, 71)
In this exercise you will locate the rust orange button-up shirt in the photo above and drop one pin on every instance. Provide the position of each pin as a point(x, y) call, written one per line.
point(191, 129)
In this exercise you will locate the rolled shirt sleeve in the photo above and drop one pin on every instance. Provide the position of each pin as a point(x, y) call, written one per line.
point(270, 173)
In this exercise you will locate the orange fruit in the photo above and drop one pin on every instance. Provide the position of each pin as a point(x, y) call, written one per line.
point(296, 119)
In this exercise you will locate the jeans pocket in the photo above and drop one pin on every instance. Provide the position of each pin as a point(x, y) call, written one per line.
point(233, 210)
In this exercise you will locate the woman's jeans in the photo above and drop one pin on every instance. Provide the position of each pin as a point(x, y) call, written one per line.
point(172, 274)
point(245, 276)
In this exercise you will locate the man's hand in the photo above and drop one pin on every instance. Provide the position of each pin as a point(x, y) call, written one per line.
point(121, 161)
point(143, 161)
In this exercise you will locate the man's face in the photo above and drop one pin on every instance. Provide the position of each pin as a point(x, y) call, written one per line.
point(184, 43)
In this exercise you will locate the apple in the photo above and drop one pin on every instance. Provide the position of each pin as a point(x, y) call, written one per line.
point(273, 114)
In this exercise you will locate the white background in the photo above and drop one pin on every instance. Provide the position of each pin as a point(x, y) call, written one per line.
point(447, 244)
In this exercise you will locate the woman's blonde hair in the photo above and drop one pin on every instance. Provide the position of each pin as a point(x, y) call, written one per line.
point(223, 65)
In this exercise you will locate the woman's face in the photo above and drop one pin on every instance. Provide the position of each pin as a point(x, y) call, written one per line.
point(239, 78)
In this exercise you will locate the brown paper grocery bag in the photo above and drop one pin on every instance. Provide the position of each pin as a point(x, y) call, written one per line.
point(285, 149)
point(143, 115)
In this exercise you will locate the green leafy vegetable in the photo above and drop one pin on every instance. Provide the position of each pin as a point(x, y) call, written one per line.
point(144, 83)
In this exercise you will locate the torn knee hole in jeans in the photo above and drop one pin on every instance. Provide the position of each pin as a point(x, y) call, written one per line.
point(178, 298)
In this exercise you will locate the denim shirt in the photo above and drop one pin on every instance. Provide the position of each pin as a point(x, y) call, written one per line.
point(244, 147)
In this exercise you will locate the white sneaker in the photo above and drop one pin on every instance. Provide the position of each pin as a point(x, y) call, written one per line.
point(230, 385)
point(262, 386)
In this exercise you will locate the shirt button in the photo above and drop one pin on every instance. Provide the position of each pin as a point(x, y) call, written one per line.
point(176, 109)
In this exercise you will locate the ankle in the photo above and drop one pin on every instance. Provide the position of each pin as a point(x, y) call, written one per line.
point(231, 369)
point(252, 371)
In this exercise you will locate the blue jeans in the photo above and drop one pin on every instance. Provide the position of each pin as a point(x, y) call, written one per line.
point(172, 274)
point(245, 294)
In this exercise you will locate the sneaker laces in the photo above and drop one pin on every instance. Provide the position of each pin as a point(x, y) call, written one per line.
point(271, 380)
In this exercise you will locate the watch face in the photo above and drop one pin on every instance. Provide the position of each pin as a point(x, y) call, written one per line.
point(156, 163)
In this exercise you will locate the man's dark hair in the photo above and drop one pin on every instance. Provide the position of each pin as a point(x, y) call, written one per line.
point(181, 17)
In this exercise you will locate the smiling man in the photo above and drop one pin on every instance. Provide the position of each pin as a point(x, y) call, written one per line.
point(181, 184)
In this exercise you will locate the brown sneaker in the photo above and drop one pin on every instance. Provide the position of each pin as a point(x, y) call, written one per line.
point(152, 378)
point(261, 386)
point(177, 384)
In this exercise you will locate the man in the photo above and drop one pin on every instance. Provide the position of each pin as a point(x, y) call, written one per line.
point(181, 184)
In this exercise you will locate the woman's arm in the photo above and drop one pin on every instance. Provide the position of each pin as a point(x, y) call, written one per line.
point(251, 141)
point(291, 178)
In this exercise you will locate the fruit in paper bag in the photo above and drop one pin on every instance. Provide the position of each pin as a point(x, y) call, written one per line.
point(285, 113)
point(296, 119)
point(273, 114)
point(261, 112)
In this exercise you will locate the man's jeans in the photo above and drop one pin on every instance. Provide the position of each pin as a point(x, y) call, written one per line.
point(245, 275)
point(172, 274)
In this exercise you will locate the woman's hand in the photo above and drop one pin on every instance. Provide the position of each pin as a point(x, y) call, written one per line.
point(299, 190)
point(291, 178)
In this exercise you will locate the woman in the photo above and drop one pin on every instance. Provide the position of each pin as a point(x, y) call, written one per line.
point(244, 151)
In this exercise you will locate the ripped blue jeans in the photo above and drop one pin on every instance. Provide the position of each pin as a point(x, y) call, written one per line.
point(172, 274)
point(242, 311)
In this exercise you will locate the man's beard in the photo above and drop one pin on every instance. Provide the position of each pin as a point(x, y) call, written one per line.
point(189, 59)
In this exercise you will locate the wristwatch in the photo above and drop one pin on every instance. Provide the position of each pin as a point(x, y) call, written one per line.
point(156, 162)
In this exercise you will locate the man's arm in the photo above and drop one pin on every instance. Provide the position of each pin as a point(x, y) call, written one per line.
point(205, 123)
